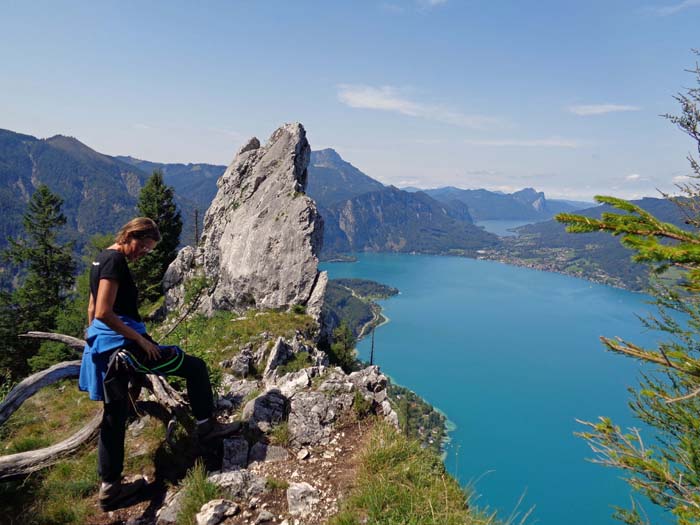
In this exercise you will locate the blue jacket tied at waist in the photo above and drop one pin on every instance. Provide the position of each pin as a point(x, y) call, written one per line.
point(101, 341)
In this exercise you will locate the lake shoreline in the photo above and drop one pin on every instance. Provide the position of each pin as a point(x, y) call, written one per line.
point(462, 335)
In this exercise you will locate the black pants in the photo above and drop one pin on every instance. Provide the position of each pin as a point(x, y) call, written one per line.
point(110, 448)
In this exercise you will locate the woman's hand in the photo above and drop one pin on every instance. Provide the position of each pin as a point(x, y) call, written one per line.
point(152, 350)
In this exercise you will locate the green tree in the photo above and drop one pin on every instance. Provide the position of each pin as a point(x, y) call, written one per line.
point(666, 467)
point(342, 350)
point(156, 201)
point(72, 318)
point(49, 269)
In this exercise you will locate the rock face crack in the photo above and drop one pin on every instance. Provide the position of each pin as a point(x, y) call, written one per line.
point(262, 233)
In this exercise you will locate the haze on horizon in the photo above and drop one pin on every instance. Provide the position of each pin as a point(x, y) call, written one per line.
point(426, 93)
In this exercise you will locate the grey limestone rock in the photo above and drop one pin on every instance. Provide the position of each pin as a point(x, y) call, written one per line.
point(241, 484)
point(264, 452)
point(235, 454)
point(236, 390)
point(261, 233)
point(215, 511)
point(293, 382)
point(369, 379)
point(371, 383)
point(167, 515)
point(336, 383)
point(240, 365)
point(281, 353)
point(265, 516)
point(183, 264)
point(301, 499)
point(265, 410)
point(312, 415)
point(393, 419)
point(315, 304)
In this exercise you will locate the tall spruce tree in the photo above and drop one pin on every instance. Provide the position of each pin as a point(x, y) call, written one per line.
point(664, 467)
point(48, 268)
point(156, 201)
point(72, 318)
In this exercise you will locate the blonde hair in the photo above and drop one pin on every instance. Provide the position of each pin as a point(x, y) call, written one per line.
point(138, 228)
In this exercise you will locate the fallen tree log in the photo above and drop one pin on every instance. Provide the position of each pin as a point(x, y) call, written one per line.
point(73, 342)
point(32, 384)
point(23, 463)
point(19, 465)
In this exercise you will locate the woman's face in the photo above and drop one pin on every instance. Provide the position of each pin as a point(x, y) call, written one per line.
point(137, 248)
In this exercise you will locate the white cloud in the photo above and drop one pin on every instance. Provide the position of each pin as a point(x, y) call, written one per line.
point(633, 177)
point(599, 109)
point(229, 133)
point(142, 126)
point(681, 179)
point(483, 172)
point(393, 8)
point(676, 8)
point(388, 98)
point(552, 142)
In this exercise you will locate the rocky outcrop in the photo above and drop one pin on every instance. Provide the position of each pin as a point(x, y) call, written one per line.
point(300, 420)
point(261, 235)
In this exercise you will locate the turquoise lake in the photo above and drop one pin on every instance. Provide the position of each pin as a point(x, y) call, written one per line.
point(501, 228)
point(512, 357)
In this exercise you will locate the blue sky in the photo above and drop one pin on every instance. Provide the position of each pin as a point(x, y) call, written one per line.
point(561, 96)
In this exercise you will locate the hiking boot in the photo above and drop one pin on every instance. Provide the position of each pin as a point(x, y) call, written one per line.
point(211, 430)
point(116, 494)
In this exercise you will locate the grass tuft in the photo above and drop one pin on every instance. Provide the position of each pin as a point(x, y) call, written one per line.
point(276, 484)
point(197, 490)
point(280, 435)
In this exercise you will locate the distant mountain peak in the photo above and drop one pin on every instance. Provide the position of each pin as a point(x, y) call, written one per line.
point(327, 153)
point(73, 146)
point(65, 140)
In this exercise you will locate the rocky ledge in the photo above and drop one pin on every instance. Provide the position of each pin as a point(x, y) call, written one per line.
point(295, 456)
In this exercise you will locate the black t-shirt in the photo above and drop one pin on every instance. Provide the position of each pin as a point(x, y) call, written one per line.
point(111, 264)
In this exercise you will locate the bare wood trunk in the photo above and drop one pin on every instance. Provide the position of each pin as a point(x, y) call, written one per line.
point(32, 384)
point(73, 342)
point(19, 465)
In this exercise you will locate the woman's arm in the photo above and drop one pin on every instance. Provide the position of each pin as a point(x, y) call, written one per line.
point(91, 309)
point(106, 295)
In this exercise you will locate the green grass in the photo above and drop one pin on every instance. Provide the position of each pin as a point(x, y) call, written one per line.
point(280, 435)
point(299, 361)
point(197, 490)
point(50, 416)
point(57, 496)
point(219, 337)
point(401, 483)
point(276, 484)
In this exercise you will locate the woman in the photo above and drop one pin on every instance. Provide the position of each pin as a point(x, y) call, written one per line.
point(118, 347)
